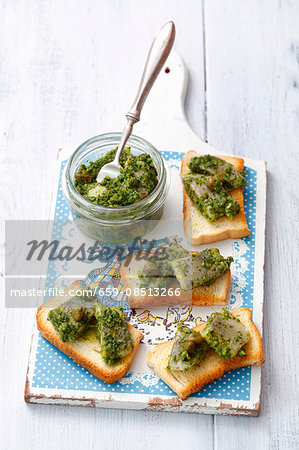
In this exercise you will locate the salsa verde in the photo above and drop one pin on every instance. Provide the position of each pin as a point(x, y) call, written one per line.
point(217, 167)
point(223, 333)
point(74, 318)
point(188, 350)
point(207, 184)
point(190, 270)
point(157, 271)
point(113, 334)
point(137, 179)
point(226, 334)
point(200, 269)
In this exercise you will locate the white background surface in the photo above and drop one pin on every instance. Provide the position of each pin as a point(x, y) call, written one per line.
point(68, 71)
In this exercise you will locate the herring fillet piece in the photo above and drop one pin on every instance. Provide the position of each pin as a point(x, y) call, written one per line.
point(212, 203)
point(192, 271)
point(188, 350)
point(225, 334)
point(213, 166)
point(113, 334)
point(198, 230)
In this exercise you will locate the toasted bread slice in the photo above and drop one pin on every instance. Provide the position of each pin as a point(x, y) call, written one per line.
point(198, 229)
point(86, 350)
point(215, 294)
point(212, 367)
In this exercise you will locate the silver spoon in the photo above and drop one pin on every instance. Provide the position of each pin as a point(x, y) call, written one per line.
point(157, 56)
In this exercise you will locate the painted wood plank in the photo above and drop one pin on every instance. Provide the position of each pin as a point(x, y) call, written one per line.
point(252, 108)
point(59, 85)
point(43, 391)
point(46, 103)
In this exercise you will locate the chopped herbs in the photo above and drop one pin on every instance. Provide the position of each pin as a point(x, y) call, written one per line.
point(113, 334)
point(200, 269)
point(73, 318)
point(218, 168)
point(214, 202)
point(78, 315)
point(157, 271)
point(225, 334)
point(188, 350)
point(137, 179)
point(207, 184)
point(190, 270)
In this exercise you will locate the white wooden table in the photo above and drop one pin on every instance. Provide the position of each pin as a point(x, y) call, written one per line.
point(69, 70)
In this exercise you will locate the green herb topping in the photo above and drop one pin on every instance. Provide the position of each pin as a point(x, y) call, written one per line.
point(137, 179)
point(207, 184)
point(188, 350)
point(74, 318)
point(223, 332)
point(113, 334)
point(190, 270)
point(157, 271)
point(200, 269)
point(226, 334)
point(224, 171)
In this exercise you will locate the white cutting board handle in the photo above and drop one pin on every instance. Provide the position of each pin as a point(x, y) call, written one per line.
point(163, 120)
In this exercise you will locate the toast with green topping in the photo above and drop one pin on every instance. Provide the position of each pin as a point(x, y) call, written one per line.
point(94, 340)
point(212, 205)
point(213, 293)
point(192, 377)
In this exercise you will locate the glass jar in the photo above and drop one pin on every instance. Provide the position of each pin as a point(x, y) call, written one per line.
point(120, 224)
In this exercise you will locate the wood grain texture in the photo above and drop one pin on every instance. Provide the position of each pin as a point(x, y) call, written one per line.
point(252, 109)
point(68, 71)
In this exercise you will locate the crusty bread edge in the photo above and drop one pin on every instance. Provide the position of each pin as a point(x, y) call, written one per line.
point(227, 364)
point(108, 375)
point(219, 235)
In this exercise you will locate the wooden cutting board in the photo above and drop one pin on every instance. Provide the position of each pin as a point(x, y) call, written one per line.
point(53, 378)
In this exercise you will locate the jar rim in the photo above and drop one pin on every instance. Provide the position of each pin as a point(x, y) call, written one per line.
point(91, 207)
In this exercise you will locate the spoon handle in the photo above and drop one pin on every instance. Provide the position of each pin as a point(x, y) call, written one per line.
point(156, 58)
point(127, 131)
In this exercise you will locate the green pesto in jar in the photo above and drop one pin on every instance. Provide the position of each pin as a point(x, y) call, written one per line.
point(188, 350)
point(207, 184)
point(137, 179)
point(225, 333)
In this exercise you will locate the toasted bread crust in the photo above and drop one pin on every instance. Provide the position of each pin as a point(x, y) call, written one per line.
point(212, 367)
point(223, 228)
point(109, 374)
point(200, 296)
